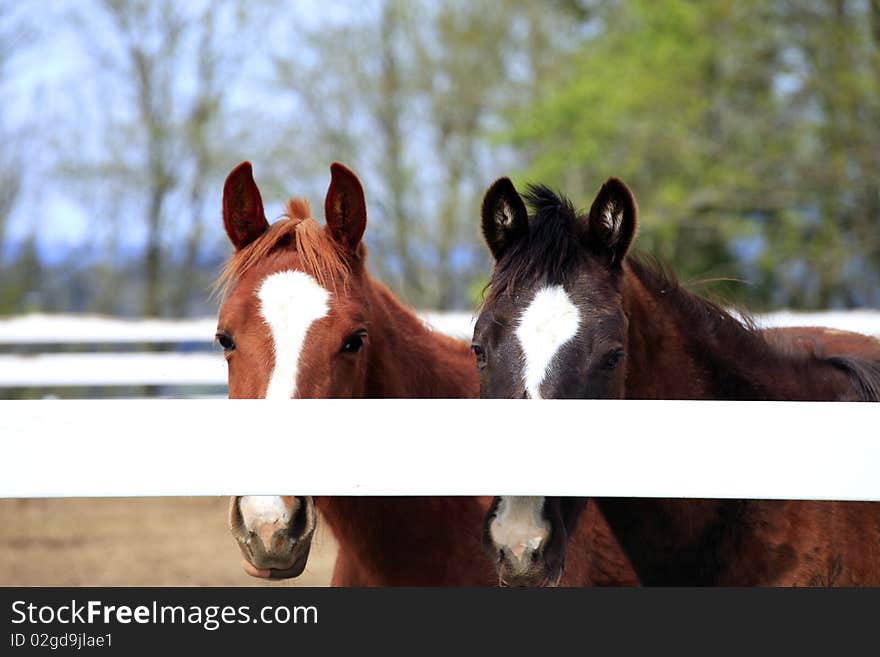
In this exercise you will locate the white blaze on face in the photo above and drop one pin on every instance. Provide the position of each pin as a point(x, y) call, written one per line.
point(290, 301)
point(549, 322)
point(519, 524)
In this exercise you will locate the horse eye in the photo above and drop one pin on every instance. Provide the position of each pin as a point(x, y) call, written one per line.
point(225, 341)
point(480, 353)
point(353, 343)
point(614, 358)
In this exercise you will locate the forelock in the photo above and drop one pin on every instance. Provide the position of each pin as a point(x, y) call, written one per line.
point(320, 256)
point(549, 252)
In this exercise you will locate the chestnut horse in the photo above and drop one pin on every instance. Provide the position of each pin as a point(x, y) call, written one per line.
point(570, 315)
point(301, 317)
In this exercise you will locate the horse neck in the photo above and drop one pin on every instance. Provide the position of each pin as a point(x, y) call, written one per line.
point(681, 346)
point(410, 540)
point(414, 541)
point(408, 359)
point(678, 541)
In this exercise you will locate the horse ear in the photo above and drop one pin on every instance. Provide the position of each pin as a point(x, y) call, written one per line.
point(612, 221)
point(504, 216)
point(345, 208)
point(243, 216)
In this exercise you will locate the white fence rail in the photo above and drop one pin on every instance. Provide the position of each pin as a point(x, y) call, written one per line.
point(400, 447)
point(440, 447)
point(201, 368)
point(88, 368)
point(112, 369)
point(95, 329)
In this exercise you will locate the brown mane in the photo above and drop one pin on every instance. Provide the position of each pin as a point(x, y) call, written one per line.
point(320, 256)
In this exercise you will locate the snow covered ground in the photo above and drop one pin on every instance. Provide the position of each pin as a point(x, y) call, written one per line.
point(203, 368)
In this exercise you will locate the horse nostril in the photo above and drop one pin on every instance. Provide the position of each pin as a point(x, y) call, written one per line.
point(301, 520)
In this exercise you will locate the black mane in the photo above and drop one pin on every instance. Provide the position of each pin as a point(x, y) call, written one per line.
point(708, 324)
point(706, 313)
point(712, 334)
point(555, 244)
point(556, 237)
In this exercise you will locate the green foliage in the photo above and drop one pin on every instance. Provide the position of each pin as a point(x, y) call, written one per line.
point(17, 293)
point(749, 133)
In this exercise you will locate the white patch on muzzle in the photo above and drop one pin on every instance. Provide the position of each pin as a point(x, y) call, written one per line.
point(258, 511)
point(519, 524)
point(290, 302)
point(550, 321)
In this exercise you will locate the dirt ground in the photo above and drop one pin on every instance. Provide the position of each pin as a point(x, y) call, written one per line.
point(170, 541)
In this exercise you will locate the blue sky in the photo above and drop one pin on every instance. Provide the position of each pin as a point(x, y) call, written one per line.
point(52, 92)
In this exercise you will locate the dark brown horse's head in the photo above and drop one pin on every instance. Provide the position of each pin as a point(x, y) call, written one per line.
point(552, 326)
point(293, 323)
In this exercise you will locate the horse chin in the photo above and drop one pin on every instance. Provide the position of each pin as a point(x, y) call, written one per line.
point(538, 576)
point(541, 569)
point(295, 570)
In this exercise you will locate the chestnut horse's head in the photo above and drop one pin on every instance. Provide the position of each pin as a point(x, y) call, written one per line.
point(552, 326)
point(294, 319)
point(294, 322)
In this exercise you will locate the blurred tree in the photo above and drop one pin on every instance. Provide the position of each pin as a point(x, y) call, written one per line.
point(838, 102)
point(395, 87)
point(200, 122)
point(15, 36)
point(353, 80)
point(460, 72)
point(12, 38)
point(10, 188)
point(18, 293)
point(171, 63)
point(748, 131)
point(407, 94)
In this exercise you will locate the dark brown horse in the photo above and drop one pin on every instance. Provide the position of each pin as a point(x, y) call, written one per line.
point(570, 315)
point(302, 317)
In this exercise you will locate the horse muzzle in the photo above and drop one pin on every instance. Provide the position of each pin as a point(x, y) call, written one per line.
point(274, 533)
point(526, 547)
